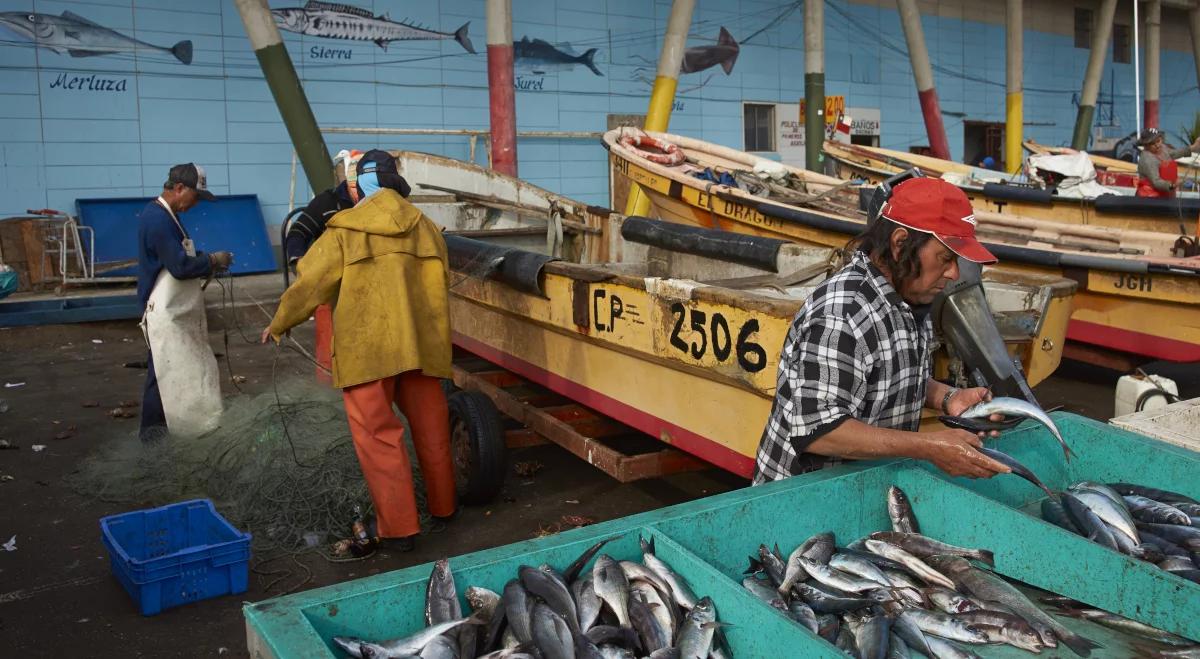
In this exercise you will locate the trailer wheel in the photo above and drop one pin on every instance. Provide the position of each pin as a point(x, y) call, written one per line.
point(477, 445)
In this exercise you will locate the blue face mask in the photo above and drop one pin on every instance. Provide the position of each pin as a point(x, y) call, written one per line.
point(369, 183)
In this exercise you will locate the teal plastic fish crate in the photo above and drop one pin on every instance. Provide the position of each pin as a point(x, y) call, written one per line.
point(181, 553)
point(707, 542)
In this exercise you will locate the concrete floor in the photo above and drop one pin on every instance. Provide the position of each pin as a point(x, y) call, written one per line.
point(57, 597)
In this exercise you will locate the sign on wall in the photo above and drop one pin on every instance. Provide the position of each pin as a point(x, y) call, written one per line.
point(789, 127)
point(834, 105)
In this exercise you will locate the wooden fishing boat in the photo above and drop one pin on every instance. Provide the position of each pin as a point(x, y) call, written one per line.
point(1109, 171)
point(993, 192)
point(1136, 294)
point(679, 344)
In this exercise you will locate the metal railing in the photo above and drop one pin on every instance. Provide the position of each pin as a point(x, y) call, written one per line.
point(473, 136)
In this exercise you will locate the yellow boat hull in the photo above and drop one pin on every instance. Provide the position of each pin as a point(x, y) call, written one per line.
point(1156, 315)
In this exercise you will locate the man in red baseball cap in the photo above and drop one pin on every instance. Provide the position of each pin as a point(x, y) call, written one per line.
point(856, 368)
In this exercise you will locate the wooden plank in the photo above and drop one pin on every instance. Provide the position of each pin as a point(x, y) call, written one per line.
point(499, 378)
point(612, 462)
point(1097, 356)
point(587, 422)
point(523, 438)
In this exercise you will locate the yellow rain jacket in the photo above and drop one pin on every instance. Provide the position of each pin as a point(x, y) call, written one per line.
point(382, 264)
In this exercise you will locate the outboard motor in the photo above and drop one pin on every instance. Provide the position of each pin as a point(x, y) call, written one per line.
point(963, 318)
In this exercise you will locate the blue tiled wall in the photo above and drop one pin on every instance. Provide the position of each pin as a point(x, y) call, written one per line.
point(58, 144)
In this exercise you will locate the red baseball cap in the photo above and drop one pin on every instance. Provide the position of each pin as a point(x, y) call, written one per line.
point(934, 206)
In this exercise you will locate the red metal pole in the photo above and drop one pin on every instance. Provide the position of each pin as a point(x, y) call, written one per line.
point(501, 94)
point(918, 55)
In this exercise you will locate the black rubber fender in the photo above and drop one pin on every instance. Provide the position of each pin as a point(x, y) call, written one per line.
point(1007, 192)
point(755, 251)
point(477, 447)
point(1185, 209)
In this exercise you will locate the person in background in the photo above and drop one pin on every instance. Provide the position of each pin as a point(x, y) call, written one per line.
point(1158, 173)
point(987, 162)
point(181, 368)
point(309, 224)
point(856, 367)
point(383, 267)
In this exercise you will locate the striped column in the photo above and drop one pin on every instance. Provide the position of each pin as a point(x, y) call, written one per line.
point(662, 96)
point(918, 55)
point(1014, 110)
point(1091, 79)
point(1153, 59)
point(814, 83)
point(289, 94)
point(501, 89)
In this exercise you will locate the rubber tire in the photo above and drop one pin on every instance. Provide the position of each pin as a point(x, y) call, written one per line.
point(449, 388)
point(480, 479)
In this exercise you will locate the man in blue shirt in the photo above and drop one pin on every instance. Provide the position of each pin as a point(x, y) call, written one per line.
point(163, 245)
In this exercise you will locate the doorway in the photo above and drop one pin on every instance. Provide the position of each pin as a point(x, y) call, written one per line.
point(982, 139)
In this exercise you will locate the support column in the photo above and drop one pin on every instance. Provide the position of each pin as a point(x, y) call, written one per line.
point(501, 90)
point(662, 97)
point(918, 55)
point(814, 83)
point(289, 94)
point(1194, 26)
point(1095, 69)
point(1014, 115)
point(1153, 57)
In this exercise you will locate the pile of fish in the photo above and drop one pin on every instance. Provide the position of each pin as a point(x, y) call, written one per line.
point(896, 592)
point(1153, 525)
point(615, 610)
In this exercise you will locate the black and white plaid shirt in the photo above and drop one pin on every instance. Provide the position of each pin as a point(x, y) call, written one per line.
point(855, 350)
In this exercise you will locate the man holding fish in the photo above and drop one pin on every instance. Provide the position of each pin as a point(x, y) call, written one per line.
point(856, 368)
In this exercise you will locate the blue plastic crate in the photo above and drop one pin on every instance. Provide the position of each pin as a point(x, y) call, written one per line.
point(181, 553)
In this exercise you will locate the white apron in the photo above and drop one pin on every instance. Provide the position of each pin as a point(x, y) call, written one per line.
point(176, 331)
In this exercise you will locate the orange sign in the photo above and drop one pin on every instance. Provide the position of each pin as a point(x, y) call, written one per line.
point(834, 105)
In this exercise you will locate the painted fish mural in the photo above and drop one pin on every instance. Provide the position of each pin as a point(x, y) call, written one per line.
point(539, 57)
point(341, 21)
point(724, 52)
point(74, 35)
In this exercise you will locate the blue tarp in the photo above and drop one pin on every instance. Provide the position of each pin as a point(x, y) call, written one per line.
point(233, 223)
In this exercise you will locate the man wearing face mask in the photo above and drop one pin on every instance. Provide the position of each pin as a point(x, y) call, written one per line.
point(182, 392)
point(383, 267)
point(856, 368)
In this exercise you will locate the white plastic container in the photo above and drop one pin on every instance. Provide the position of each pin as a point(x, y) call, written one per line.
point(1178, 424)
point(1131, 387)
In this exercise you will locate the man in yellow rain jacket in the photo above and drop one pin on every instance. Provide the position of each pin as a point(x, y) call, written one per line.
point(382, 265)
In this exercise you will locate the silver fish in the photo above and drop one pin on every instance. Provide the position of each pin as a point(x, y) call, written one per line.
point(940, 624)
point(662, 608)
point(871, 636)
point(341, 21)
point(516, 609)
point(912, 635)
point(768, 562)
point(441, 596)
point(586, 601)
point(860, 567)
point(904, 520)
point(823, 602)
point(654, 636)
point(941, 649)
point(989, 587)
point(803, 614)
point(695, 638)
point(897, 648)
point(74, 35)
point(1149, 510)
point(679, 587)
point(836, 578)
point(819, 548)
point(950, 602)
point(439, 648)
point(764, 592)
point(914, 564)
point(554, 592)
point(635, 571)
point(1004, 628)
point(551, 634)
point(407, 645)
point(482, 600)
point(612, 587)
point(1165, 496)
point(1111, 512)
point(1126, 625)
point(923, 546)
point(1017, 468)
point(576, 567)
point(1092, 527)
point(615, 652)
point(1016, 407)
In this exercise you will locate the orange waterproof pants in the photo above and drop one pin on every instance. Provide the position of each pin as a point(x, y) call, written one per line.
point(379, 441)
